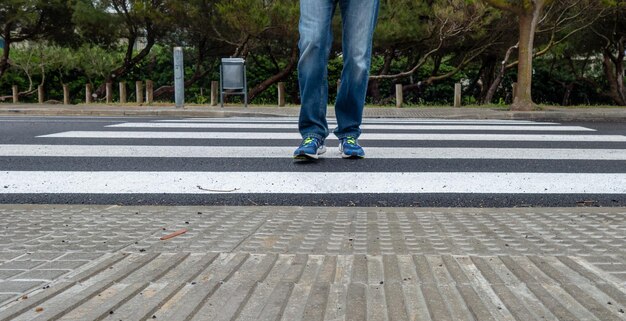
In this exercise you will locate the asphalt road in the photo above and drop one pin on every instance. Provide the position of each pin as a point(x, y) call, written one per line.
point(73, 160)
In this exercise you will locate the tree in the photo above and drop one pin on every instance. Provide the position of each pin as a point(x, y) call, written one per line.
point(560, 21)
point(429, 34)
point(612, 32)
point(23, 20)
point(141, 19)
point(528, 12)
point(191, 21)
point(97, 24)
point(263, 27)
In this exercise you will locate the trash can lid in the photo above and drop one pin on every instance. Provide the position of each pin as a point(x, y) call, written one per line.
point(233, 60)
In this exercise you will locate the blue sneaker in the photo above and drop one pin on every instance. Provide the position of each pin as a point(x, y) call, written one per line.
point(349, 148)
point(310, 148)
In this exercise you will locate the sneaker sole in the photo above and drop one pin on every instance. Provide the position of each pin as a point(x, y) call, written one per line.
point(350, 156)
point(353, 156)
point(304, 156)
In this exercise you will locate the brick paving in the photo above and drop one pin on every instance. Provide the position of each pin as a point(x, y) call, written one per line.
point(294, 263)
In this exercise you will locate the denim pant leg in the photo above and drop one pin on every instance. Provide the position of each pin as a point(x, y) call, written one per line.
point(314, 44)
point(359, 20)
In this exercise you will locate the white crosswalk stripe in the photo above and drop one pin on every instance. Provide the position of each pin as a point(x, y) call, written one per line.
point(320, 183)
point(292, 120)
point(413, 140)
point(364, 127)
point(285, 152)
point(365, 136)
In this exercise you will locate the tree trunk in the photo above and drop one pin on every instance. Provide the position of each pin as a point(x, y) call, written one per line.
point(614, 71)
point(527, 24)
point(4, 61)
point(128, 64)
point(567, 96)
point(493, 84)
point(277, 77)
point(374, 84)
point(169, 90)
point(373, 90)
point(477, 85)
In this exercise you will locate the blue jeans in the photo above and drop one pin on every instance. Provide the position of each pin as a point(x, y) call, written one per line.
point(359, 20)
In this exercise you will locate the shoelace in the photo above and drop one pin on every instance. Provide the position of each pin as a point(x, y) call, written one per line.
point(351, 140)
point(308, 140)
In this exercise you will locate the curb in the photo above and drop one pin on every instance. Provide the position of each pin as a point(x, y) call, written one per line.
point(574, 115)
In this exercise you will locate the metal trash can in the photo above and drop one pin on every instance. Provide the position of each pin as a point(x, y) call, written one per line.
point(233, 79)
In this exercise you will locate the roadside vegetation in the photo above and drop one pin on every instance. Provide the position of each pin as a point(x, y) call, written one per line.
point(567, 52)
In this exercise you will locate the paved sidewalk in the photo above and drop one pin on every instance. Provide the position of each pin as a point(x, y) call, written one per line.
point(558, 114)
point(293, 263)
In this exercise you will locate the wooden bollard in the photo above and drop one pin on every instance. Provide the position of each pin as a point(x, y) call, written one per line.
point(514, 88)
point(139, 91)
point(281, 94)
point(149, 92)
point(399, 95)
point(40, 94)
point(88, 94)
point(122, 92)
point(66, 94)
point(214, 88)
point(457, 95)
point(16, 94)
point(109, 92)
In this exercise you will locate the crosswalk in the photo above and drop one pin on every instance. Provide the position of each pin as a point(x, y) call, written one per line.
point(205, 156)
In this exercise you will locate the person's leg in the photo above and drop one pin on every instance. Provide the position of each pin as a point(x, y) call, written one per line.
point(359, 20)
point(315, 43)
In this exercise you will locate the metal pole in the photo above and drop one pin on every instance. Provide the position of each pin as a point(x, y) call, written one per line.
point(179, 77)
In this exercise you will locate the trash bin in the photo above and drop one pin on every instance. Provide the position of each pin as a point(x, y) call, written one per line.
point(233, 79)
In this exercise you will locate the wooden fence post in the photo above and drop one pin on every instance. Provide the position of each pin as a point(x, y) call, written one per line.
point(40, 94)
point(281, 94)
point(16, 94)
point(214, 88)
point(122, 92)
point(109, 92)
point(139, 91)
point(88, 94)
point(514, 86)
point(399, 95)
point(149, 92)
point(66, 94)
point(457, 95)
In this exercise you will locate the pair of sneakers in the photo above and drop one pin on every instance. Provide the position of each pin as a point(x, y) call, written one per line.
point(312, 147)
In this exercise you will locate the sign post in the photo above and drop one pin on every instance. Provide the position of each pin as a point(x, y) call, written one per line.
point(179, 77)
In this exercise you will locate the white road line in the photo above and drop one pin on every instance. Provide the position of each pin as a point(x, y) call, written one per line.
point(286, 152)
point(365, 121)
point(53, 182)
point(364, 126)
point(366, 136)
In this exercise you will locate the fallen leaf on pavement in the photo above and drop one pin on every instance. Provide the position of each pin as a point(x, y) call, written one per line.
point(175, 234)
